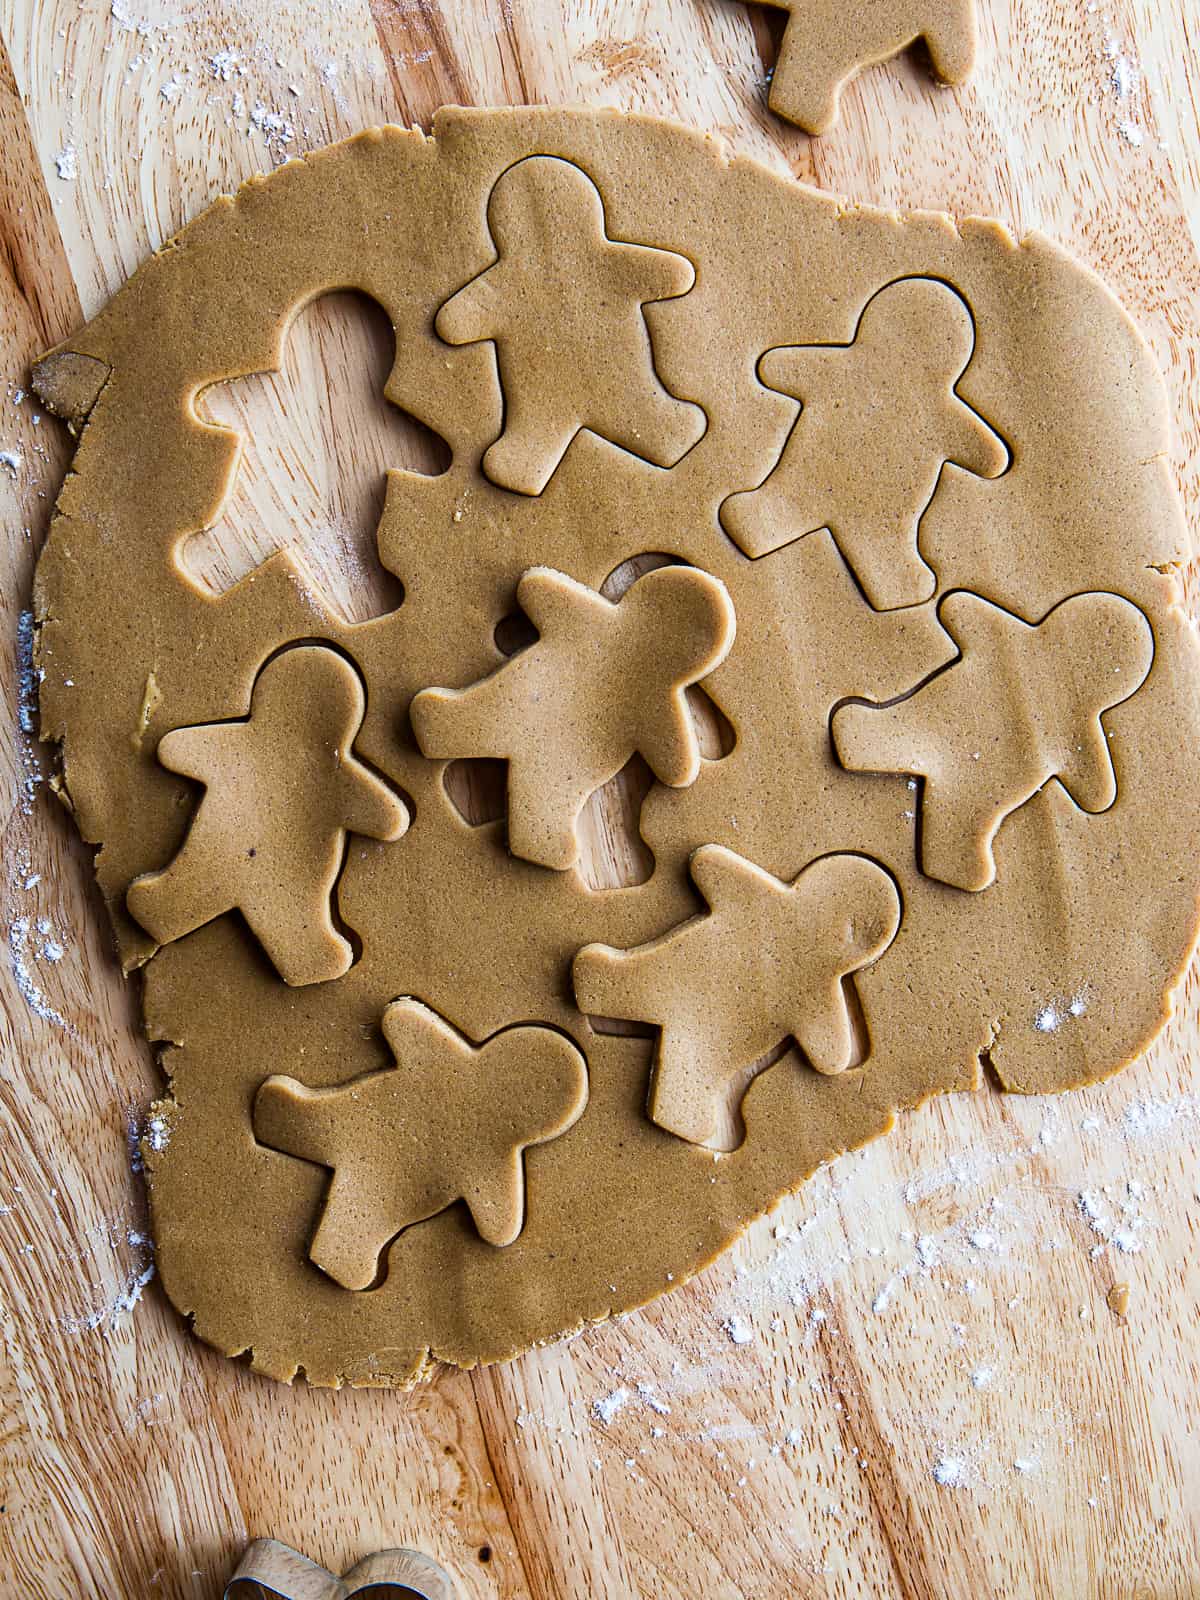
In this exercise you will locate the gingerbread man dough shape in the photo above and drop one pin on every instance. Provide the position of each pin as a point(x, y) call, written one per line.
point(766, 964)
point(561, 284)
point(827, 41)
point(602, 682)
point(847, 465)
point(449, 1122)
point(282, 790)
point(1021, 705)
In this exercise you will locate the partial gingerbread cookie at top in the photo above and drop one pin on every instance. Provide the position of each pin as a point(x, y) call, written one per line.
point(881, 418)
point(603, 680)
point(765, 964)
point(448, 1122)
point(282, 790)
point(561, 284)
point(827, 41)
point(1021, 705)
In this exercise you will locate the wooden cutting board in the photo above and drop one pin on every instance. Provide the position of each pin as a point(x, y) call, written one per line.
point(910, 1380)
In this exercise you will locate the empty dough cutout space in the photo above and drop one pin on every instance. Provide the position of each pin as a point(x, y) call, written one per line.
point(430, 1092)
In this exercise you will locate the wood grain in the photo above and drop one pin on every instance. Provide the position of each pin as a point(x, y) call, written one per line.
point(934, 1308)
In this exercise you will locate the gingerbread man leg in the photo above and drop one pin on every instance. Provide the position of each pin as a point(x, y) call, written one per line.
point(534, 440)
point(684, 1099)
point(806, 86)
point(541, 822)
point(656, 426)
point(304, 947)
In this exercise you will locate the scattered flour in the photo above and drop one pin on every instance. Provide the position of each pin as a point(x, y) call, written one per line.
point(950, 1471)
point(116, 1236)
point(158, 1132)
point(66, 163)
point(1124, 77)
point(1048, 1019)
point(223, 65)
point(19, 956)
point(659, 1407)
point(1123, 1234)
point(107, 1317)
point(739, 1330)
point(124, 18)
point(606, 1409)
point(1052, 1014)
point(12, 461)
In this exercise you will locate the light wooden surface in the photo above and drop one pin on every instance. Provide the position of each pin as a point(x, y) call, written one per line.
point(909, 1382)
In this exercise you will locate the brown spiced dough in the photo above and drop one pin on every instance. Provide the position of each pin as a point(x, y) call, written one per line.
point(783, 949)
point(448, 1122)
point(1021, 705)
point(827, 41)
point(601, 683)
point(1102, 908)
point(561, 283)
point(282, 789)
point(912, 346)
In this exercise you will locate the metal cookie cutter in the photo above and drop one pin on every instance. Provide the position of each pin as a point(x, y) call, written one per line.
point(272, 1571)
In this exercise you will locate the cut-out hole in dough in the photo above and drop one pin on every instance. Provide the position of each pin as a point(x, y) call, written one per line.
point(318, 439)
point(730, 1128)
point(628, 573)
point(477, 788)
point(622, 1028)
point(613, 854)
point(714, 731)
point(514, 632)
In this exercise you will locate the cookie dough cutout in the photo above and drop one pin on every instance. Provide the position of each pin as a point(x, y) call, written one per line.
point(827, 41)
point(1020, 705)
point(560, 284)
point(282, 790)
point(602, 683)
point(881, 417)
point(765, 965)
point(449, 1122)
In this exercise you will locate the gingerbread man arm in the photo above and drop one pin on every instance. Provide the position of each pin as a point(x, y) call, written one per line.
point(646, 274)
point(474, 313)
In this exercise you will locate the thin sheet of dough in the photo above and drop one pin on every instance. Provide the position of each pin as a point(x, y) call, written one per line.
point(617, 1208)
